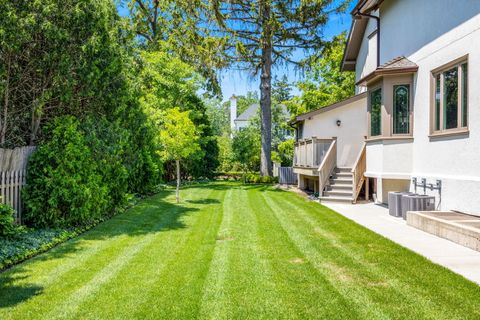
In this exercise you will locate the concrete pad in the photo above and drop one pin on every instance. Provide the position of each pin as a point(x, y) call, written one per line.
point(455, 257)
point(464, 233)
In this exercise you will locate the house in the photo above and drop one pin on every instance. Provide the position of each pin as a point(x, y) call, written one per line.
point(415, 62)
point(238, 122)
point(335, 133)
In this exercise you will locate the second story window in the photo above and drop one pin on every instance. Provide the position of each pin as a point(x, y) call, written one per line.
point(450, 109)
point(376, 112)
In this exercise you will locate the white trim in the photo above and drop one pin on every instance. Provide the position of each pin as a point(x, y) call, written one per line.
point(446, 176)
point(388, 175)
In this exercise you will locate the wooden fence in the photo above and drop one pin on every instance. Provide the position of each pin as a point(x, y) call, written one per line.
point(13, 170)
point(286, 175)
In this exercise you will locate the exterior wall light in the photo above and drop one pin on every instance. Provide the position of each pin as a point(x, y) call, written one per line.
point(339, 122)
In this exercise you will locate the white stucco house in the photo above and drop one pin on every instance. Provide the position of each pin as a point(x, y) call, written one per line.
point(238, 122)
point(415, 62)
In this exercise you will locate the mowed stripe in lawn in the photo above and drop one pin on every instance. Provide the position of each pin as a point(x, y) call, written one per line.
point(158, 219)
point(230, 251)
point(379, 278)
point(245, 288)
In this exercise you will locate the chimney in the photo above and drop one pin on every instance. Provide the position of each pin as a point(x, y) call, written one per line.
point(233, 112)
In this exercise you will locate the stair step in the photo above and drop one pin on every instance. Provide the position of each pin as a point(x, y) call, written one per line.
point(339, 193)
point(341, 181)
point(336, 199)
point(343, 169)
point(339, 187)
point(342, 175)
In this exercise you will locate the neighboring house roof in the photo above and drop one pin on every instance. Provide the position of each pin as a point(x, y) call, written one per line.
point(249, 113)
point(394, 66)
point(357, 30)
point(339, 104)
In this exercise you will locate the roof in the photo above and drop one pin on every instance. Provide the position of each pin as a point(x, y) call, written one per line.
point(336, 105)
point(357, 31)
point(394, 66)
point(249, 113)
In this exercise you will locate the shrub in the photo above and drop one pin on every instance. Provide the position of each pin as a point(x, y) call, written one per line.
point(7, 226)
point(107, 143)
point(64, 187)
point(256, 178)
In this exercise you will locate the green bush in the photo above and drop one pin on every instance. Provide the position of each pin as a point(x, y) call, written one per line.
point(7, 226)
point(107, 143)
point(64, 186)
point(256, 178)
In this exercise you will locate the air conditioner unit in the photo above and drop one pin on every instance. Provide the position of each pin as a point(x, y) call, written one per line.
point(395, 202)
point(417, 203)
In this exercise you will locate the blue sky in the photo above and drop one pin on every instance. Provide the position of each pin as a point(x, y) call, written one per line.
point(240, 82)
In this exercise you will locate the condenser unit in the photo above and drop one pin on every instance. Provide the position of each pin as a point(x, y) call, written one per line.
point(417, 203)
point(395, 202)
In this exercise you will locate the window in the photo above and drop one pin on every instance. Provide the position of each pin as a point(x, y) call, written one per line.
point(376, 112)
point(451, 98)
point(300, 131)
point(401, 109)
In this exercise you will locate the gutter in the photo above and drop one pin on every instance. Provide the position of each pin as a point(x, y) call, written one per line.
point(291, 124)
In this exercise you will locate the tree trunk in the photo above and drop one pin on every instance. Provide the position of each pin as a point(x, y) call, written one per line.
point(178, 181)
point(3, 122)
point(266, 92)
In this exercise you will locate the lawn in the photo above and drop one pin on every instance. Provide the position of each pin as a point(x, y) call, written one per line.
point(233, 252)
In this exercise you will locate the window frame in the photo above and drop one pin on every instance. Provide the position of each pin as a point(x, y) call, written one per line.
point(392, 83)
point(440, 71)
point(370, 92)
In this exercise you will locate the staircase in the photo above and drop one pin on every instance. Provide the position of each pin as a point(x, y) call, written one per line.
point(340, 186)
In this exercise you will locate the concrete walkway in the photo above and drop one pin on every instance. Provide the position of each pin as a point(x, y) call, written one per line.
point(457, 258)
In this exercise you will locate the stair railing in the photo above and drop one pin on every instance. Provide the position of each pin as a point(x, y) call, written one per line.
point(328, 165)
point(358, 172)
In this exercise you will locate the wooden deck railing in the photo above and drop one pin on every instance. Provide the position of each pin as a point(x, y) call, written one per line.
point(358, 172)
point(327, 166)
point(309, 153)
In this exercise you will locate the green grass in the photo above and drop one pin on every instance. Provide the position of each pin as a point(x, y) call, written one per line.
point(233, 252)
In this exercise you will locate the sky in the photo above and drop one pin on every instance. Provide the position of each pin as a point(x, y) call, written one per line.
point(240, 82)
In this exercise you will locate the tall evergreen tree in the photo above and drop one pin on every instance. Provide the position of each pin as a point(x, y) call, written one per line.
point(262, 33)
point(282, 90)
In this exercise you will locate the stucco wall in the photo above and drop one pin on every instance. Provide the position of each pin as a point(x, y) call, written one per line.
point(432, 33)
point(367, 55)
point(409, 25)
point(350, 135)
point(389, 159)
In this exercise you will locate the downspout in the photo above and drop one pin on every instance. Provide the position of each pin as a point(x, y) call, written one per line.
point(377, 19)
point(295, 128)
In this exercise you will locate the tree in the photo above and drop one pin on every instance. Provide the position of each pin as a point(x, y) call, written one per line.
point(285, 152)
point(171, 24)
point(325, 83)
point(281, 90)
point(166, 81)
point(246, 148)
point(178, 138)
point(262, 33)
point(58, 58)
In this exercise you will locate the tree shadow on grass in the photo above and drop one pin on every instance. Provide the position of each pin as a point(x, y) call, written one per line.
point(152, 215)
point(12, 294)
point(203, 201)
